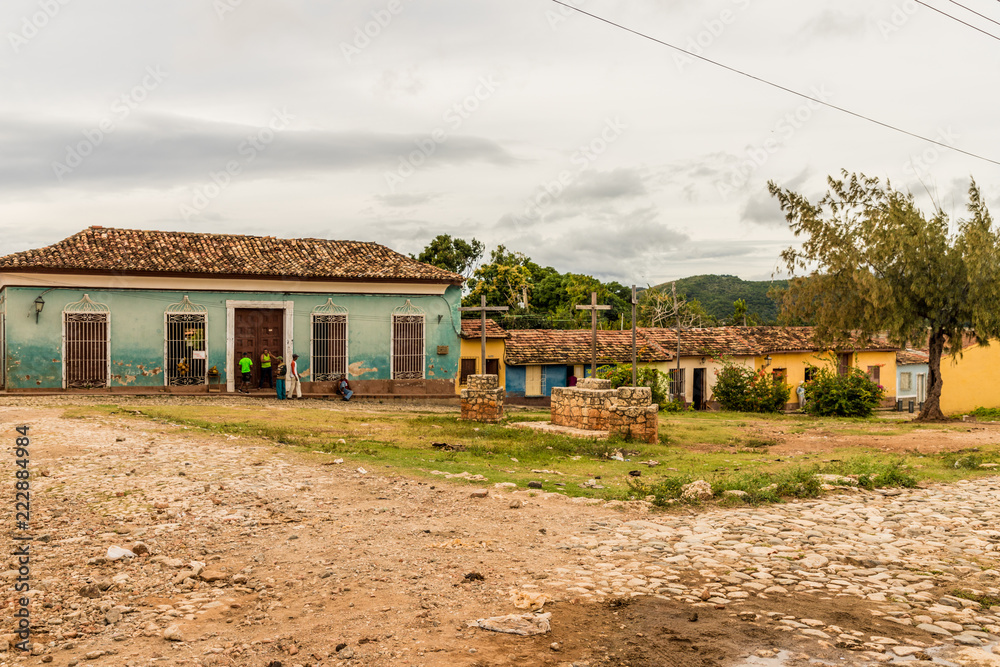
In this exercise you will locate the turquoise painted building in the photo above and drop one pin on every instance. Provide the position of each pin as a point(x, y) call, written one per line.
point(134, 311)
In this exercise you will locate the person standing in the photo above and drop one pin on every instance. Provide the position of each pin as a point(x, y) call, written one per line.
point(279, 379)
point(294, 381)
point(265, 370)
point(246, 364)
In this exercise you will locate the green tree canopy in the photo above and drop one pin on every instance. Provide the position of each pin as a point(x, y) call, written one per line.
point(456, 255)
point(872, 262)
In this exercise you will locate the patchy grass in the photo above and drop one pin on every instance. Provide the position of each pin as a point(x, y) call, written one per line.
point(729, 450)
point(985, 601)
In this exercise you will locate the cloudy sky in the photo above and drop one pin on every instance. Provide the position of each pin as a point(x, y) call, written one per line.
point(518, 122)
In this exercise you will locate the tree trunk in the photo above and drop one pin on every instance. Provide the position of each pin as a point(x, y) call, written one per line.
point(932, 404)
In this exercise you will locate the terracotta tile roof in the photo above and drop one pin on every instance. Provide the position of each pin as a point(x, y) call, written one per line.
point(700, 342)
point(534, 346)
point(473, 329)
point(131, 250)
point(912, 357)
point(741, 341)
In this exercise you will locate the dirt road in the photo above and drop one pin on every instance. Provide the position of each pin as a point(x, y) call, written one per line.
point(264, 557)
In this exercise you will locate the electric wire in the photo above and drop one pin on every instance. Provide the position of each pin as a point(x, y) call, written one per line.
point(955, 18)
point(779, 86)
point(970, 9)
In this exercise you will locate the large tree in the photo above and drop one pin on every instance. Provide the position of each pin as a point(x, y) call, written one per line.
point(452, 254)
point(872, 262)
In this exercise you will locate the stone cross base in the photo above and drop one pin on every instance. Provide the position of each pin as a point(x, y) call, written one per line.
point(482, 400)
point(594, 406)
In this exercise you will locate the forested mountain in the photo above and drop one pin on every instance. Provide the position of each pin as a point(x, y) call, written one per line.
point(716, 294)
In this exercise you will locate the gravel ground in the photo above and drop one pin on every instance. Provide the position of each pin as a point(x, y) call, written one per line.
point(262, 557)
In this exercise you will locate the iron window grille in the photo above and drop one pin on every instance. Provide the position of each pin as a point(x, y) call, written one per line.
point(408, 343)
point(329, 342)
point(86, 344)
point(185, 359)
point(677, 383)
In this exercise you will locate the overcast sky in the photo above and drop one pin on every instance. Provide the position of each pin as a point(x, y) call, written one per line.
point(517, 122)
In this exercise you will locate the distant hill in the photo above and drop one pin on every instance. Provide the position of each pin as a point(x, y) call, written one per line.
point(717, 294)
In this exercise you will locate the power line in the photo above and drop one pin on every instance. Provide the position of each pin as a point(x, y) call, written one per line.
point(955, 18)
point(969, 9)
point(779, 86)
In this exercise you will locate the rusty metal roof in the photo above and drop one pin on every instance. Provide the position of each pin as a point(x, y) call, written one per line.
point(98, 249)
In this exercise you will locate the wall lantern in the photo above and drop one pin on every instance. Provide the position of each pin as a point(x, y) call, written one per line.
point(39, 304)
point(767, 361)
point(703, 361)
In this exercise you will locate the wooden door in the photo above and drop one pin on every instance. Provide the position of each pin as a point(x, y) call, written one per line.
point(258, 329)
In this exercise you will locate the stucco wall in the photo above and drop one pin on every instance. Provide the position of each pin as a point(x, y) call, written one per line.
point(473, 349)
point(914, 370)
point(34, 351)
point(970, 381)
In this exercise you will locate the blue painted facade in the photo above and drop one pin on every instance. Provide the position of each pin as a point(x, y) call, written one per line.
point(33, 351)
point(553, 375)
point(915, 371)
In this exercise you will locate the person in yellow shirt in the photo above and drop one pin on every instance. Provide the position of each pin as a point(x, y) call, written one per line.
point(265, 371)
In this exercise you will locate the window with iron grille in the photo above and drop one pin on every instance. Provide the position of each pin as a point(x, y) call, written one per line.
point(677, 383)
point(329, 347)
point(468, 368)
point(86, 343)
point(906, 381)
point(408, 347)
point(185, 358)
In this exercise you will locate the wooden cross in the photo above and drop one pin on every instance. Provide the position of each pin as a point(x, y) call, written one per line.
point(593, 308)
point(482, 309)
point(634, 302)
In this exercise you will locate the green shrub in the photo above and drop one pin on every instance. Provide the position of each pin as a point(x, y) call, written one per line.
point(621, 376)
point(986, 414)
point(743, 389)
point(830, 394)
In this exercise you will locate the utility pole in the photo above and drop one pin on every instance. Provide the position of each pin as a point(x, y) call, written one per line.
point(677, 312)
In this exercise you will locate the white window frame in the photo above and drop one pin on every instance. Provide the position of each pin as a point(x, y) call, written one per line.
point(185, 308)
point(408, 310)
point(329, 309)
point(86, 306)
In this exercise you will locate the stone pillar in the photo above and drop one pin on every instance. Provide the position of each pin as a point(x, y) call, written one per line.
point(482, 399)
point(594, 406)
point(633, 414)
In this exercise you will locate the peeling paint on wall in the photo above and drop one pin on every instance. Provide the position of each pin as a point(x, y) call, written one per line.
point(357, 369)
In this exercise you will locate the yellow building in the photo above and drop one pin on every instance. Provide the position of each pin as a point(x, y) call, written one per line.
point(472, 352)
point(970, 379)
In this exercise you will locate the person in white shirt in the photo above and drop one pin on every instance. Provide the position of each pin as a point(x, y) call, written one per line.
point(294, 382)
